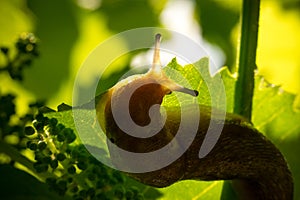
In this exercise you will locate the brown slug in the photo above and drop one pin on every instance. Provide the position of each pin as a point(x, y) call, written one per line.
point(256, 167)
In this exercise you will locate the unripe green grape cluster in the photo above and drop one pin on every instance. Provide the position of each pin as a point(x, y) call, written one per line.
point(27, 50)
point(73, 170)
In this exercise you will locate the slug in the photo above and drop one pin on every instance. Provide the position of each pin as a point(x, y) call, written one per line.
point(256, 167)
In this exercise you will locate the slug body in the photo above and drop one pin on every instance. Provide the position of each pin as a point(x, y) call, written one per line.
point(241, 154)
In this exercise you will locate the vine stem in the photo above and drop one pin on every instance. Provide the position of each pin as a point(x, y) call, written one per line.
point(15, 155)
point(247, 59)
point(244, 87)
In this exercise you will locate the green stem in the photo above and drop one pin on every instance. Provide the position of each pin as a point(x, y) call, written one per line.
point(245, 82)
point(15, 155)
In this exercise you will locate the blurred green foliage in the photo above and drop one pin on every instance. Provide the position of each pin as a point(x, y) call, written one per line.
point(217, 22)
point(56, 27)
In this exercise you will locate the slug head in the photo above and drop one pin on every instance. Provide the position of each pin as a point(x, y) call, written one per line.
point(144, 91)
point(135, 102)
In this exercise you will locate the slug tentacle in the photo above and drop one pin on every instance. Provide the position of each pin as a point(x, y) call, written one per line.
point(158, 74)
point(156, 65)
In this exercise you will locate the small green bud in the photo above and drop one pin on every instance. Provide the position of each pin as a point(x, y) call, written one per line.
point(139, 197)
point(61, 137)
point(60, 157)
point(70, 180)
point(47, 160)
point(70, 135)
point(54, 164)
point(91, 176)
point(91, 192)
point(52, 130)
point(38, 126)
point(100, 184)
point(60, 127)
point(29, 130)
point(82, 165)
point(33, 146)
point(47, 151)
point(61, 187)
point(40, 167)
point(112, 180)
point(53, 122)
point(129, 194)
point(39, 156)
point(42, 145)
point(96, 169)
point(40, 117)
point(119, 177)
point(83, 193)
point(72, 170)
point(135, 190)
point(28, 143)
point(68, 150)
point(119, 192)
point(74, 189)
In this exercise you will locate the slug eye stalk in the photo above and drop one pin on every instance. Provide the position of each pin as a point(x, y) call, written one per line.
point(157, 72)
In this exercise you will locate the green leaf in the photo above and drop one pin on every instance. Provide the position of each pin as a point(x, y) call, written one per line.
point(274, 115)
point(198, 76)
point(278, 119)
point(194, 190)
